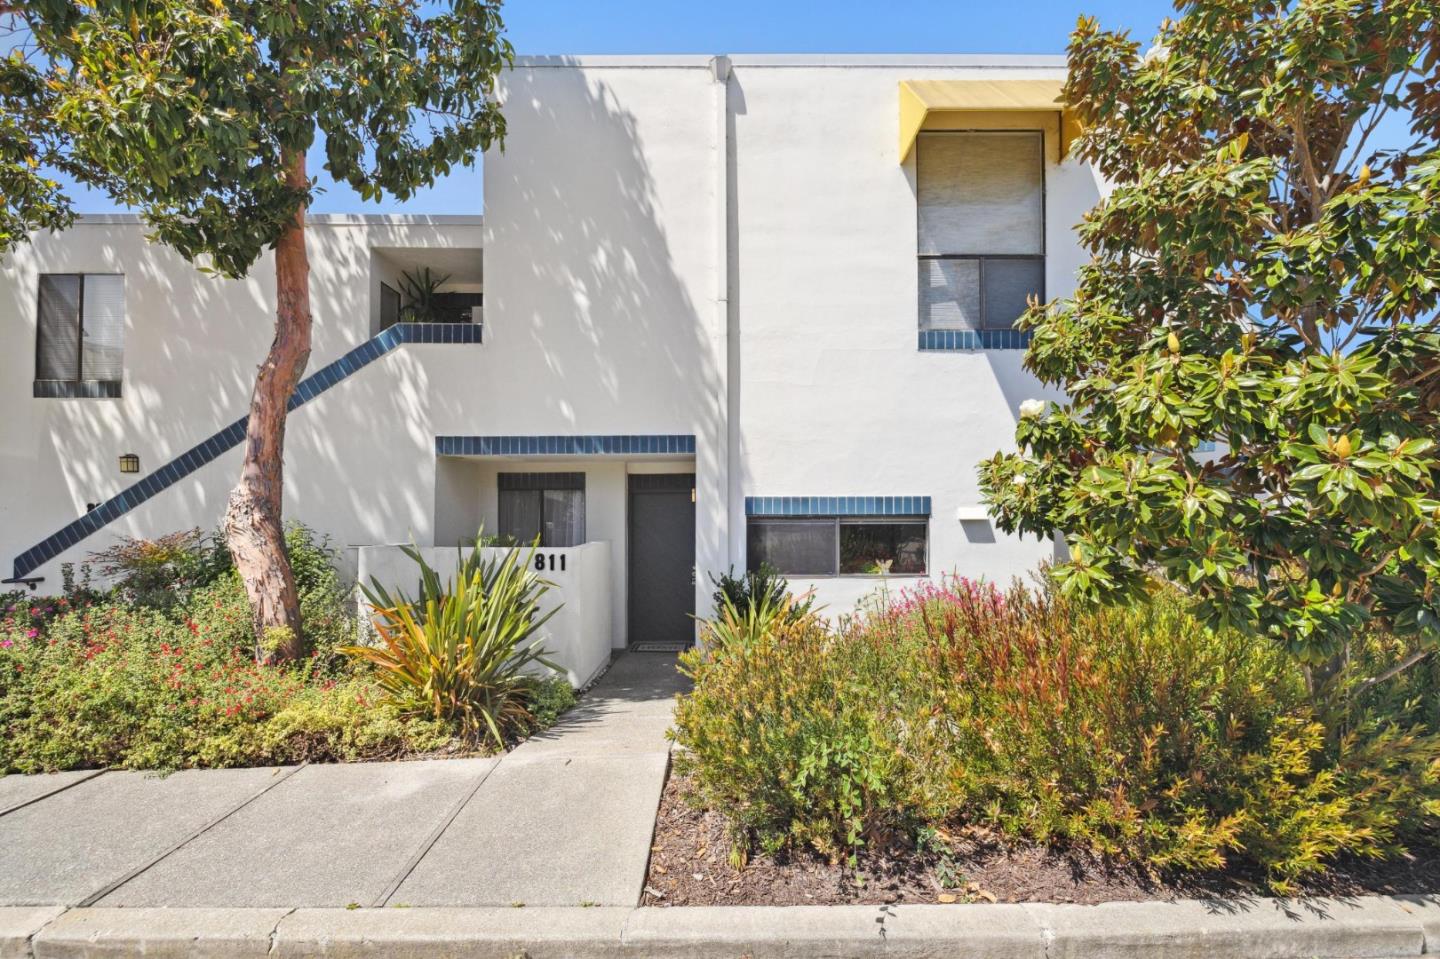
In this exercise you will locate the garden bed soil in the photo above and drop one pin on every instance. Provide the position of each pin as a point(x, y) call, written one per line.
point(689, 866)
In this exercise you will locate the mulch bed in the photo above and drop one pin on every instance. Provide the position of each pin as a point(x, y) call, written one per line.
point(689, 866)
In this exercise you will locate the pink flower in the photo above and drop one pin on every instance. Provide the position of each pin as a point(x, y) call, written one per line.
point(6, 643)
point(33, 633)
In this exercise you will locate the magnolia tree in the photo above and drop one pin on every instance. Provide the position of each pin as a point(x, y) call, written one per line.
point(1264, 277)
point(200, 116)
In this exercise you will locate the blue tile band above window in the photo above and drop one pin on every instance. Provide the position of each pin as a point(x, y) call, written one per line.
point(958, 341)
point(837, 506)
point(212, 446)
point(558, 445)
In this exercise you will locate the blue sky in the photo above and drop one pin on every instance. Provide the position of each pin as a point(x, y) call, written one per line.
point(754, 26)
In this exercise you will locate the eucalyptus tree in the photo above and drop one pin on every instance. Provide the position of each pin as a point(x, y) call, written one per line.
point(200, 115)
point(1264, 277)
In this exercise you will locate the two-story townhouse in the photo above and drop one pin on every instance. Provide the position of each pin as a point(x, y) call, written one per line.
point(719, 311)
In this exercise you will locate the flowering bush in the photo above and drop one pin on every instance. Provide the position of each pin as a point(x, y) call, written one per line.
point(165, 676)
point(130, 687)
point(1133, 732)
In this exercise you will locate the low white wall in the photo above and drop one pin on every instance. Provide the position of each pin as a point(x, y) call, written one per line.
point(577, 636)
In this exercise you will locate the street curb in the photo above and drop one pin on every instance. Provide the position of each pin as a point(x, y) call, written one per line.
point(1377, 927)
point(19, 924)
point(201, 933)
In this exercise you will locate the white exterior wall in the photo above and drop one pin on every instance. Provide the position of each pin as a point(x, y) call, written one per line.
point(834, 397)
point(357, 465)
point(670, 247)
point(604, 270)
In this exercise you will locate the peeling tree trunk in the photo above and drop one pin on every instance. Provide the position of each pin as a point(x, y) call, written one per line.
point(253, 527)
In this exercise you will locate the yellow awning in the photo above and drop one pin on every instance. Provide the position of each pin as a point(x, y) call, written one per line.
point(921, 98)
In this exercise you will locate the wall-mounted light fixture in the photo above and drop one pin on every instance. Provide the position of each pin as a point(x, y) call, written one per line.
point(129, 463)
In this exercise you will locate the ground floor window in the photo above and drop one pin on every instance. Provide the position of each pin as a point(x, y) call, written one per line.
point(548, 505)
point(838, 545)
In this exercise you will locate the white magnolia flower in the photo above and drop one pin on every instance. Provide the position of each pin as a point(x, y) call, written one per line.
point(1156, 54)
point(1019, 479)
point(1032, 409)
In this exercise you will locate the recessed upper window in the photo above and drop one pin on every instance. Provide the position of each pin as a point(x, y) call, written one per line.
point(981, 227)
point(80, 336)
point(550, 506)
point(389, 306)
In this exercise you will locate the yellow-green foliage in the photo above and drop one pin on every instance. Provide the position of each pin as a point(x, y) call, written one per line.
point(1129, 731)
point(115, 685)
point(459, 653)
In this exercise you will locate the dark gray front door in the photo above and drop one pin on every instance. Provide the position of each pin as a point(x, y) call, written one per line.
point(662, 558)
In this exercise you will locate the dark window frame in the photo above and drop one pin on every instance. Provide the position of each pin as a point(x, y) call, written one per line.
point(386, 288)
point(80, 387)
point(836, 522)
point(539, 484)
point(981, 257)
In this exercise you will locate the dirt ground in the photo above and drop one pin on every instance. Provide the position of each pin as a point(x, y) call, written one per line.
point(689, 866)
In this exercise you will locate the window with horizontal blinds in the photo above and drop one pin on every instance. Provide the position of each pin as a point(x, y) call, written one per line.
point(80, 334)
point(58, 353)
point(102, 327)
point(980, 227)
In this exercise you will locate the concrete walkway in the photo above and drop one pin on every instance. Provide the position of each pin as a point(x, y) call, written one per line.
point(564, 820)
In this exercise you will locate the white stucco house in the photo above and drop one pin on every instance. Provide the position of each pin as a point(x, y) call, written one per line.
point(718, 311)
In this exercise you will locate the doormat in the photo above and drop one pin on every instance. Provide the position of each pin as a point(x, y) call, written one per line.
point(659, 647)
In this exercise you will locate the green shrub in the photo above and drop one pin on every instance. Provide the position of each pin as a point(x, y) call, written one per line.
point(1133, 732)
point(348, 721)
point(130, 687)
point(160, 673)
point(549, 698)
point(754, 588)
point(776, 735)
point(460, 651)
point(189, 573)
point(154, 572)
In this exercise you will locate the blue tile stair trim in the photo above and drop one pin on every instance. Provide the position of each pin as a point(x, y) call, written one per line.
point(231, 436)
point(952, 341)
point(837, 506)
point(581, 445)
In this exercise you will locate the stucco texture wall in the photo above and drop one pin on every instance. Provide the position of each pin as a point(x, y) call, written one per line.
point(834, 398)
point(359, 462)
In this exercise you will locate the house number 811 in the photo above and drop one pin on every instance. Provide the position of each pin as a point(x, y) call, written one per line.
point(542, 558)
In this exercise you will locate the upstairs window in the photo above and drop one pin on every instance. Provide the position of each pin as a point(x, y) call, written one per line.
point(80, 335)
point(548, 505)
point(981, 236)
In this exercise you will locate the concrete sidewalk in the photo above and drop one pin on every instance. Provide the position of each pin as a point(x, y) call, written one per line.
point(564, 820)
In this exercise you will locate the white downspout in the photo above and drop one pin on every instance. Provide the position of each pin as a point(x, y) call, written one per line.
point(726, 350)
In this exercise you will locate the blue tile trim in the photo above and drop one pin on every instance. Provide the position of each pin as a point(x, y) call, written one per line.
point(837, 506)
point(557, 445)
point(953, 341)
point(231, 436)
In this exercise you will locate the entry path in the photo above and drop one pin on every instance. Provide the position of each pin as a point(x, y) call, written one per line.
point(565, 819)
